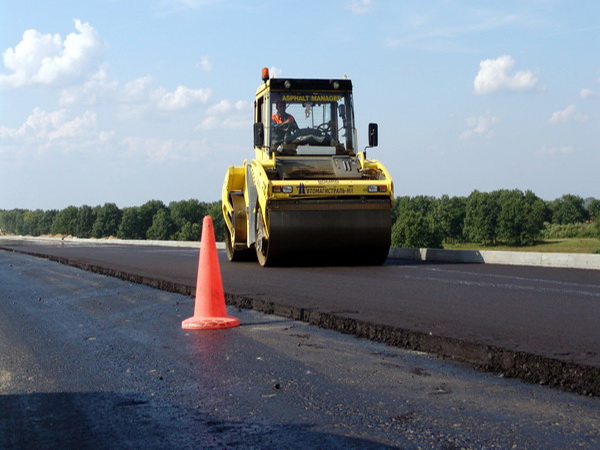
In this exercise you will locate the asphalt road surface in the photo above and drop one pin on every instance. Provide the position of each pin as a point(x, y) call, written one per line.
point(89, 361)
point(537, 324)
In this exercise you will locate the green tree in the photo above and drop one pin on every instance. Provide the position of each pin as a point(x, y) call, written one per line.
point(511, 216)
point(85, 221)
point(189, 232)
point(416, 229)
point(65, 221)
point(187, 217)
point(132, 225)
point(29, 223)
point(450, 213)
point(162, 226)
point(521, 216)
point(214, 210)
point(41, 221)
point(593, 208)
point(108, 218)
point(147, 212)
point(416, 224)
point(8, 221)
point(481, 217)
point(568, 209)
point(536, 213)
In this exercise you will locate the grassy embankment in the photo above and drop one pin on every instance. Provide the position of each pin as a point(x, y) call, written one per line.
point(573, 245)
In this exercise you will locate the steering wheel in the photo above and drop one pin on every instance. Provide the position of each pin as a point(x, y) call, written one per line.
point(325, 127)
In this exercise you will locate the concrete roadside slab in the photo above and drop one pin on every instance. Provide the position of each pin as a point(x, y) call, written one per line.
point(536, 259)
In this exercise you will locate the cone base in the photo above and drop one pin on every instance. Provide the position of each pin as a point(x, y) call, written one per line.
point(209, 323)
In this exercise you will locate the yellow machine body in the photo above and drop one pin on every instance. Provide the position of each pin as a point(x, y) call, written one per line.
point(308, 196)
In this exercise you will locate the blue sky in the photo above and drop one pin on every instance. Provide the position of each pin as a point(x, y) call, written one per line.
point(127, 101)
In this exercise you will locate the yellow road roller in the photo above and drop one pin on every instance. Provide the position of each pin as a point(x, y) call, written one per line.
point(309, 196)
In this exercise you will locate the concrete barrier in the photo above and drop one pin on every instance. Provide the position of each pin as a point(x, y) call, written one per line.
point(56, 240)
point(539, 259)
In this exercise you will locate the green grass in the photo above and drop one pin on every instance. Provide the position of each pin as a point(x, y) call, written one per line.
point(575, 245)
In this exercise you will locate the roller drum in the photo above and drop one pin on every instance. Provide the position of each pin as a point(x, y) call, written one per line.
point(356, 232)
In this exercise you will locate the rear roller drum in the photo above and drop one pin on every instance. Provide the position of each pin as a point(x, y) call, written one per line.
point(232, 240)
point(234, 255)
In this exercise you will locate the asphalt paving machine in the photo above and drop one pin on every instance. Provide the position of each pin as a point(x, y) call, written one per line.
point(309, 196)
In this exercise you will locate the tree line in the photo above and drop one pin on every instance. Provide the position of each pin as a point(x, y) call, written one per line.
point(486, 218)
point(180, 220)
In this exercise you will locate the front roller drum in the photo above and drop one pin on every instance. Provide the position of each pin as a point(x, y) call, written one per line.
point(325, 233)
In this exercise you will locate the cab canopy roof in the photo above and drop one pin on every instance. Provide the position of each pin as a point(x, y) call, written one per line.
point(302, 84)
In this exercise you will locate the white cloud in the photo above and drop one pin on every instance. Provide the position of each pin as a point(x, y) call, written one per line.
point(360, 6)
point(163, 150)
point(98, 89)
point(562, 115)
point(60, 132)
point(566, 115)
point(77, 127)
point(205, 64)
point(143, 96)
point(138, 89)
point(275, 72)
point(227, 115)
point(47, 59)
point(56, 131)
point(494, 76)
point(564, 150)
point(144, 92)
point(587, 93)
point(478, 126)
point(43, 125)
point(182, 98)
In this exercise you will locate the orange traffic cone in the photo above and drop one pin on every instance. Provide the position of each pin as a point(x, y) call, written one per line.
point(209, 310)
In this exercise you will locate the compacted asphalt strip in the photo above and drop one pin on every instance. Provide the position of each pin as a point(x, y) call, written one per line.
point(93, 362)
point(537, 324)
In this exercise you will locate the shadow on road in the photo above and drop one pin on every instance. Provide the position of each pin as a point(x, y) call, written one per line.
point(128, 420)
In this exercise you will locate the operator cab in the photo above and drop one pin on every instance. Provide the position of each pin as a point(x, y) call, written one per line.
point(317, 123)
point(305, 118)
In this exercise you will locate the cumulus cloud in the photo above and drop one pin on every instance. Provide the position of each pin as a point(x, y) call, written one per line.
point(227, 115)
point(478, 126)
point(360, 6)
point(60, 132)
point(144, 95)
point(138, 89)
point(163, 150)
point(205, 64)
point(549, 150)
point(98, 89)
point(587, 93)
point(562, 115)
point(566, 115)
point(275, 72)
point(47, 59)
point(51, 131)
point(182, 98)
point(494, 75)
